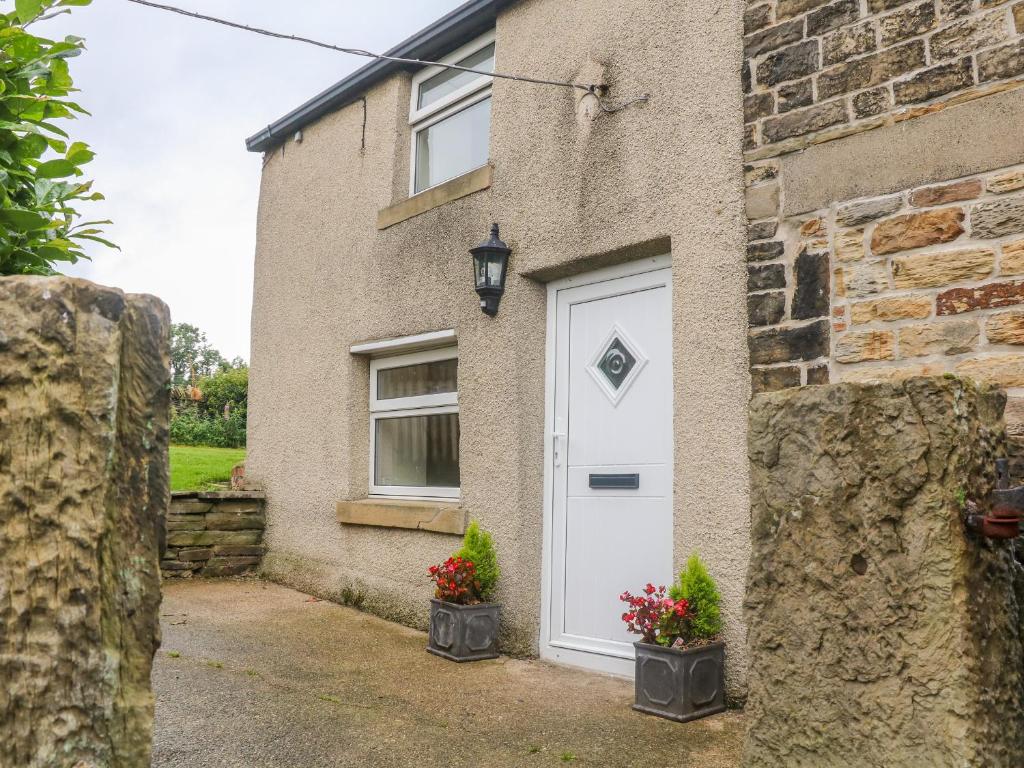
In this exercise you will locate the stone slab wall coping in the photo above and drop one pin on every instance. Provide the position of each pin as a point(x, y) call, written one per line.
point(216, 495)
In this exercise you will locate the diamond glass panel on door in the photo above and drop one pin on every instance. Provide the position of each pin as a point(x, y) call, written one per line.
point(616, 363)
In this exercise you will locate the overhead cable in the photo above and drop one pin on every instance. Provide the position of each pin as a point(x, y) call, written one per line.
point(594, 89)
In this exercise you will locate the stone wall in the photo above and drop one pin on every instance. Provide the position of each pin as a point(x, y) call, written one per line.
point(84, 406)
point(214, 534)
point(916, 282)
point(816, 70)
point(923, 281)
point(866, 262)
point(828, 73)
point(880, 633)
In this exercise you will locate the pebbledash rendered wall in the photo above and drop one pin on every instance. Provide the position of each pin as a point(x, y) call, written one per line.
point(885, 192)
point(573, 189)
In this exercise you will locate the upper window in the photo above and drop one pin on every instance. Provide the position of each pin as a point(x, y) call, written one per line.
point(414, 425)
point(450, 116)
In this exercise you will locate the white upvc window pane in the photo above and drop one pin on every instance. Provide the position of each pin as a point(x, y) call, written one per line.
point(436, 377)
point(453, 146)
point(417, 451)
point(414, 424)
point(450, 80)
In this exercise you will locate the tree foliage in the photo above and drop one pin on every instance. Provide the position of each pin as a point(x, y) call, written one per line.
point(219, 417)
point(191, 427)
point(193, 357)
point(226, 392)
point(40, 166)
point(210, 396)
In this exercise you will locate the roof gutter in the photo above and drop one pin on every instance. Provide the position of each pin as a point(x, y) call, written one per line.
point(445, 34)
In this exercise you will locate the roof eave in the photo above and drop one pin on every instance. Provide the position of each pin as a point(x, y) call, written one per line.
point(445, 34)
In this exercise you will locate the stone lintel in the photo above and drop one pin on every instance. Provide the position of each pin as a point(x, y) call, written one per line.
point(956, 142)
point(439, 517)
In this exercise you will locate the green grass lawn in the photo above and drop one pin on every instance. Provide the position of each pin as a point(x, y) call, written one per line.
point(196, 468)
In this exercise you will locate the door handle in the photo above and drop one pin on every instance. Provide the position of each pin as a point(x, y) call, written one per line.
point(556, 447)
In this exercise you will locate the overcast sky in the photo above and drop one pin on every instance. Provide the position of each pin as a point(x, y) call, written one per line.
point(172, 101)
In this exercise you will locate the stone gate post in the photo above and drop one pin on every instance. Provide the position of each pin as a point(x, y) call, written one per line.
point(880, 632)
point(84, 388)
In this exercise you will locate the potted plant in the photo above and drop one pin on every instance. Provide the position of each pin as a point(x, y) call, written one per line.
point(680, 661)
point(463, 621)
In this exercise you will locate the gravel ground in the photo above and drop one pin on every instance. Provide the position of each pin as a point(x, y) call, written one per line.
point(254, 675)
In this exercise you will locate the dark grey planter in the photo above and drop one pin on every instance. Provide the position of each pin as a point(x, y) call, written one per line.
point(463, 632)
point(680, 684)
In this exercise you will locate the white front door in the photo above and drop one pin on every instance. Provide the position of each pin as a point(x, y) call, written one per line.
point(608, 522)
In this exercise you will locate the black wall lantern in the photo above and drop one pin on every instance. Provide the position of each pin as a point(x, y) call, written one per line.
point(490, 267)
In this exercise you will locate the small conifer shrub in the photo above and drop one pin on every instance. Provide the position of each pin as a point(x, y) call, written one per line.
point(478, 548)
point(703, 599)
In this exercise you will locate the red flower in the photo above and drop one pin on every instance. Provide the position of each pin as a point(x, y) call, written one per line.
point(456, 581)
point(657, 618)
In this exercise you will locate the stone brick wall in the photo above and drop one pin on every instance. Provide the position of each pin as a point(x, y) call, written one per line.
point(929, 283)
point(214, 534)
point(819, 72)
point(919, 282)
point(815, 70)
point(788, 291)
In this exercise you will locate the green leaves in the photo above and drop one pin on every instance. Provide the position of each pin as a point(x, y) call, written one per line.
point(40, 165)
point(30, 147)
point(478, 548)
point(79, 153)
point(27, 10)
point(56, 169)
point(22, 220)
point(696, 586)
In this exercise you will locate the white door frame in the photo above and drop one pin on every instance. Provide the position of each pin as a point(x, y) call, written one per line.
point(592, 661)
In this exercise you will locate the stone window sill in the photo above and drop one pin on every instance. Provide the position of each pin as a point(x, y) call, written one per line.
point(461, 186)
point(435, 516)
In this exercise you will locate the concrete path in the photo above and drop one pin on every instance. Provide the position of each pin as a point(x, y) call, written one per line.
point(253, 675)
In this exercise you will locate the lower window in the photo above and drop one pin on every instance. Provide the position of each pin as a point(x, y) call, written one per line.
point(414, 425)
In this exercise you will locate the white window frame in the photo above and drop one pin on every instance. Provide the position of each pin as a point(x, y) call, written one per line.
point(466, 96)
point(398, 407)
